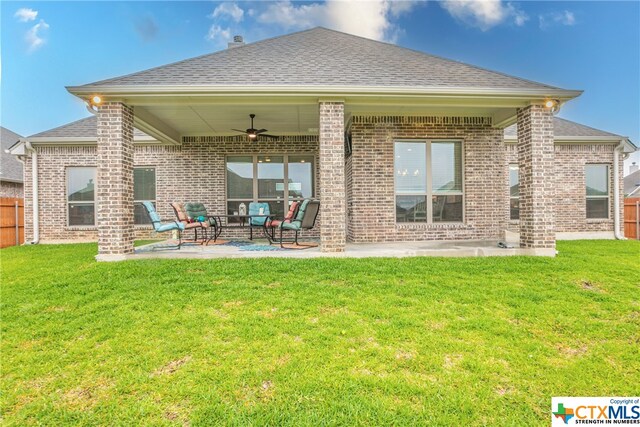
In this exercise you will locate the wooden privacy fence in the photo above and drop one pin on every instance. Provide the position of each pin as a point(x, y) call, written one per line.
point(11, 221)
point(632, 218)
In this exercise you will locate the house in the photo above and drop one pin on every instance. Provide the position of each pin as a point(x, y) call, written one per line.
point(10, 167)
point(632, 182)
point(397, 145)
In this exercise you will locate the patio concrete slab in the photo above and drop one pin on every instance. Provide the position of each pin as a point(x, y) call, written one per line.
point(262, 249)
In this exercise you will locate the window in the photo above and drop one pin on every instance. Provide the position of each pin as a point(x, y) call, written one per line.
point(262, 178)
point(81, 196)
point(597, 191)
point(428, 178)
point(514, 192)
point(144, 190)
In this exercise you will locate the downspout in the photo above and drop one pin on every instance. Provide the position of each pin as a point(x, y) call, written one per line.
point(34, 192)
point(616, 191)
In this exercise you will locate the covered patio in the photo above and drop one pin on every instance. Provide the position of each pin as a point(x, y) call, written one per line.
point(348, 124)
point(261, 248)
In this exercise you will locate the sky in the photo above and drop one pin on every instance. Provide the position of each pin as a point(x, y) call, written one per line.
point(587, 45)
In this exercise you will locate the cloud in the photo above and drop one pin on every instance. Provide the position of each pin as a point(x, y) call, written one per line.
point(484, 14)
point(218, 34)
point(371, 19)
point(25, 14)
point(566, 18)
point(230, 10)
point(146, 27)
point(34, 36)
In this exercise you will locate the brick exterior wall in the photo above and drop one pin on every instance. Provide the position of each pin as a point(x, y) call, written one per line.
point(569, 183)
point(332, 177)
point(195, 171)
point(11, 189)
point(372, 214)
point(114, 179)
point(536, 171)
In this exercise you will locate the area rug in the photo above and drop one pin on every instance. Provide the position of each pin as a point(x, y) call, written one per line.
point(243, 245)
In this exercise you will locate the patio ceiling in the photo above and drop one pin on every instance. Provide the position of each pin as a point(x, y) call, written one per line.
point(288, 117)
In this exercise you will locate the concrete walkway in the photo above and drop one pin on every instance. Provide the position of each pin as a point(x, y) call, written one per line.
point(262, 249)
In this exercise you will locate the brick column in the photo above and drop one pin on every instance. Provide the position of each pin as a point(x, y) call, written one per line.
point(115, 181)
point(332, 179)
point(537, 181)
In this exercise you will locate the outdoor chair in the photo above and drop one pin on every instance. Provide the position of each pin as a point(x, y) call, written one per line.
point(183, 218)
point(272, 224)
point(305, 219)
point(159, 227)
point(196, 212)
point(257, 209)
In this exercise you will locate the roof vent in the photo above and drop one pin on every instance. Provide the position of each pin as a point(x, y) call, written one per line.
point(237, 41)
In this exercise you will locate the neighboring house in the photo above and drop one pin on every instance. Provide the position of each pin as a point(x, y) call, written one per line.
point(632, 182)
point(397, 145)
point(10, 167)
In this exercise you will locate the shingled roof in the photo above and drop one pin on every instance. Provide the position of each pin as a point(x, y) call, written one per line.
point(565, 129)
point(320, 57)
point(10, 167)
point(83, 128)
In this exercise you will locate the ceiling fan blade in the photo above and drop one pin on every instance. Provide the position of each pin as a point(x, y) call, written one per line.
point(238, 130)
point(269, 136)
point(261, 130)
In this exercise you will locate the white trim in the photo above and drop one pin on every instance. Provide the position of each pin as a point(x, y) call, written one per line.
point(94, 202)
point(328, 91)
point(429, 194)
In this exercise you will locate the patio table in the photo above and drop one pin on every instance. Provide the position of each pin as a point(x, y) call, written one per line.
point(242, 221)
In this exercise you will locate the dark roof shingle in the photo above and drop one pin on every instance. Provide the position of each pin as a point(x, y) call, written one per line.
point(83, 128)
point(10, 167)
point(321, 57)
point(564, 128)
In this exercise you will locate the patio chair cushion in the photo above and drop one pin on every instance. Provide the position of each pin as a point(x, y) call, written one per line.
point(155, 220)
point(195, 210)
point(180, 212)
point(294, 225)
point(293, 208)
point(170, 226)
point(302, 209)
point(254, 209)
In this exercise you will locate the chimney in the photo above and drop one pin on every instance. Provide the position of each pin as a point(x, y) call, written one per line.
point(633, 168)
point(237, 41)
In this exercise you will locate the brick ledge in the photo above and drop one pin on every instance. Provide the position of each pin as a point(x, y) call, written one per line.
point(445, 226)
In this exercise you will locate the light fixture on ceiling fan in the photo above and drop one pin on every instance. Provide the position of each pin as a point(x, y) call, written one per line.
point(254, 133)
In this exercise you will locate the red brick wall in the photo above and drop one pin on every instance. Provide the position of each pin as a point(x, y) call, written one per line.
point(194, 171)
point(372, 205)
point(569, 182)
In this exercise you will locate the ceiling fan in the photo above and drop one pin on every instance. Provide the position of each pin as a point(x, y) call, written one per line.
point(253, 133)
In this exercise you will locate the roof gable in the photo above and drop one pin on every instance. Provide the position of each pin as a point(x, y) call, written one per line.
point(10, 167)
point(566, 129)
point(321, 57)
point(83, 128)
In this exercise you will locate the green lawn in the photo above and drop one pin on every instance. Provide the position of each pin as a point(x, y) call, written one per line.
point(315, 342)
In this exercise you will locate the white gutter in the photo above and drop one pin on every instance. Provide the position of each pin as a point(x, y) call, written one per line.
point(616, 190)
point(34, 192)
point(318, 89)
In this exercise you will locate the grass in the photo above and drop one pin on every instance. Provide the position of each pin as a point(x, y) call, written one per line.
point(315, 342)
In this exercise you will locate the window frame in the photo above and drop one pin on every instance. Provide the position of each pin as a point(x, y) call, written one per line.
point(285, 162)
point(430, 194)
point(517, 166)
point(607, 196)
point(155, 190)
point(84, 202)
